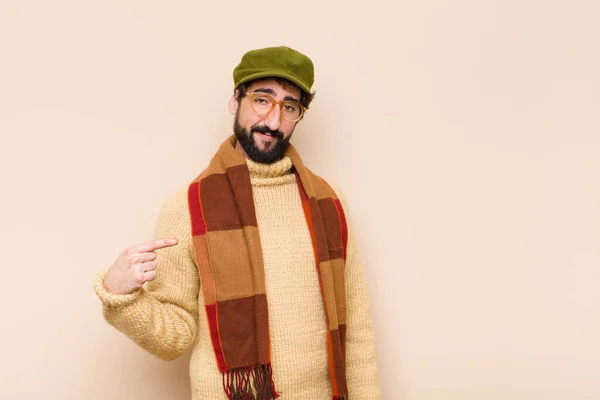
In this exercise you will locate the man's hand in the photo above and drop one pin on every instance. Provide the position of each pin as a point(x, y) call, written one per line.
point(134, 267)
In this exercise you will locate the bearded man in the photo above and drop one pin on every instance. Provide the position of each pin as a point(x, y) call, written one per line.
point(254, 265)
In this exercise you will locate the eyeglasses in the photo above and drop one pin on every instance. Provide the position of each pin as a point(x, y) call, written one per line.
point(263, 103)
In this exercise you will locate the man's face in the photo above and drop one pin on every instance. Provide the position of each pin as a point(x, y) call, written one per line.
point(263, 137)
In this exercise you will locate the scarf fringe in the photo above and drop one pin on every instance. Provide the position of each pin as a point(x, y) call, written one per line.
point(254, 382)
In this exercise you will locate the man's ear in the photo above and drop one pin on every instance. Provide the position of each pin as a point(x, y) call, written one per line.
point(233, 103)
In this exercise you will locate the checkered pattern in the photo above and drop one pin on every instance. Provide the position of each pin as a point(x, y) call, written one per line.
point(229, 256)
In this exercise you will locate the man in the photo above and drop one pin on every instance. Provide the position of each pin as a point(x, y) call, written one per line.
point(254, 266)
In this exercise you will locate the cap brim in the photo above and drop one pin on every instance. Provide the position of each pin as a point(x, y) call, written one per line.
point(278, 74)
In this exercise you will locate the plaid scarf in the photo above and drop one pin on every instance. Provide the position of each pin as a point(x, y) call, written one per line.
point(230, 262)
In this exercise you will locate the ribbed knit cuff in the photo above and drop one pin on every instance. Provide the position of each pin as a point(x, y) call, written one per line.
point(111, 299)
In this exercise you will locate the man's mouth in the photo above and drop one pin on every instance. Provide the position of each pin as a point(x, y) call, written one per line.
point(269, 133)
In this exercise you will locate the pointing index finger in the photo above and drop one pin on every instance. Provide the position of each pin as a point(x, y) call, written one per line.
point(156, 244)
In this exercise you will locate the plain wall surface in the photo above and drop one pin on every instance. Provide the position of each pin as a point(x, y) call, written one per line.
point(464, 134)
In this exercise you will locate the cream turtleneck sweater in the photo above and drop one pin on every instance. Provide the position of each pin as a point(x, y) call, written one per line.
point(167, 317)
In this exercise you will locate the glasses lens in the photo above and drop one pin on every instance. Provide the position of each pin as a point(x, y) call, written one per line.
point(262, 103)
point(291, 110)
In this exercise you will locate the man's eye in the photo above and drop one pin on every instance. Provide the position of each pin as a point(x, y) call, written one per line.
point(290, 107)
point(262, 100)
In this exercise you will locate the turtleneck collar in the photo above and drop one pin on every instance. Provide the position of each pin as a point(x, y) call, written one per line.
point(278, 173)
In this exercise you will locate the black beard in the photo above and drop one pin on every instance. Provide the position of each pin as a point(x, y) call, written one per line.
point(246, 140)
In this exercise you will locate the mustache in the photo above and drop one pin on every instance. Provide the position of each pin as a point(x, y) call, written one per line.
point(263, 129)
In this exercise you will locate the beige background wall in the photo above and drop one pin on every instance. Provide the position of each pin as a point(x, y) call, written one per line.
point(465, 135)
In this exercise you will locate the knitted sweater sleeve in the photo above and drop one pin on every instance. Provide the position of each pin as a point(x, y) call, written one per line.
point(361, 364)
point(162, 317)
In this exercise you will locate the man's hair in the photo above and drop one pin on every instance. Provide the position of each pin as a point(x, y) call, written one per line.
point(305, 98)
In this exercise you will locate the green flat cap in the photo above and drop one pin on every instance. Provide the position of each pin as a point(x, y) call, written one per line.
point(279, 61)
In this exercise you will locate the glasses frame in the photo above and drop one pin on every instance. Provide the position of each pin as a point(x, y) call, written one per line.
point(280, 102)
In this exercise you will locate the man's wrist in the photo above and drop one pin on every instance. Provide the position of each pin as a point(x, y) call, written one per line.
point(108, 286)
point(111, 299)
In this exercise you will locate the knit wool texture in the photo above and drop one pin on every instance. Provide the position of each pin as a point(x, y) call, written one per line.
point(164, 317)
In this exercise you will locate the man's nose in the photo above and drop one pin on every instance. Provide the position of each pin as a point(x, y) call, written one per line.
point(273, 119)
